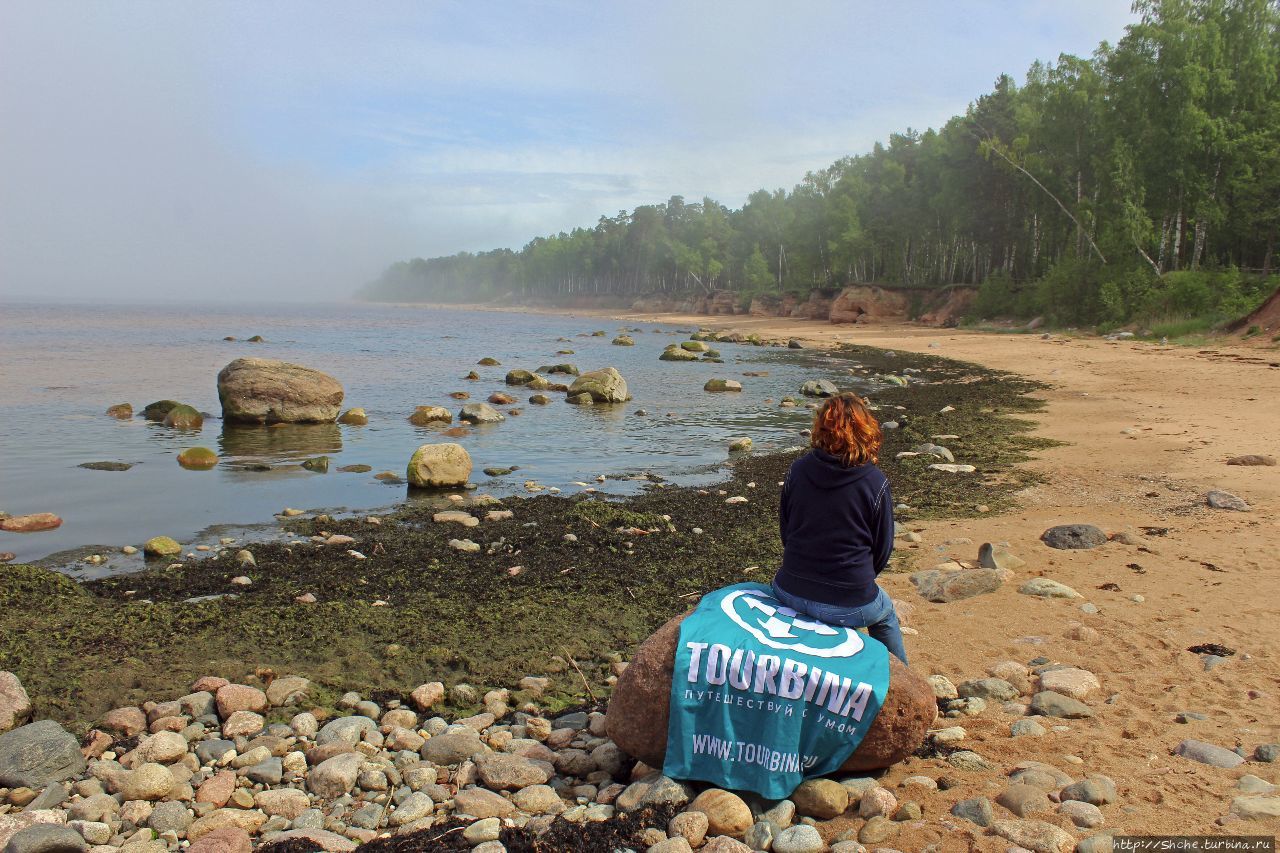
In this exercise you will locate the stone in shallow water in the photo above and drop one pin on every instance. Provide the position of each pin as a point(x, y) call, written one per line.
point(106, 466)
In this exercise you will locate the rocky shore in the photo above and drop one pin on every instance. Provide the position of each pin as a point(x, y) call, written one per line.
point(501, 658)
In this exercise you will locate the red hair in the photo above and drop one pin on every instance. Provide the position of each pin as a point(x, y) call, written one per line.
point(845, 428)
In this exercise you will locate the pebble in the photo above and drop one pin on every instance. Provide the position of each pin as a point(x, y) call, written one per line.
point(976, 810)
point(1046, 588)
point(799, 839)
point(1026, 728)
point(1082, 814)
point(1050, 704)
point(969, 760)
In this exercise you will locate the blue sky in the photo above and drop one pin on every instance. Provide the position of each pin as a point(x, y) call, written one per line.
point(179, 149)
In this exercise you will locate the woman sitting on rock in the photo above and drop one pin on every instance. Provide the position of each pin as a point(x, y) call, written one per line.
point(836, 519)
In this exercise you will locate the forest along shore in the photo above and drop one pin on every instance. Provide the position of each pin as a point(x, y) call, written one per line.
point(1174, 575)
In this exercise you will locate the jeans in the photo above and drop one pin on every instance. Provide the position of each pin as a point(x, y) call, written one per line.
point(877, 616)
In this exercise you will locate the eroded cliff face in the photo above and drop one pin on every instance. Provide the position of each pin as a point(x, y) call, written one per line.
point(858, 303)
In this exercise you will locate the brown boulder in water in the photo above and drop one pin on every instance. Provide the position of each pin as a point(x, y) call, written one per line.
point(639, 710)
point(265, 391)
point(30, 523)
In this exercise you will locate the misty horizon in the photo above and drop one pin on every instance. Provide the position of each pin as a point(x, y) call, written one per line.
point(189, 153)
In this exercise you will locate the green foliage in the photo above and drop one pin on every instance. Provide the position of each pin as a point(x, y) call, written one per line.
point(1140, 181)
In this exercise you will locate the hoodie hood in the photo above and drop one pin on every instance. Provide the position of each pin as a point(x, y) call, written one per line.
point(825, 471)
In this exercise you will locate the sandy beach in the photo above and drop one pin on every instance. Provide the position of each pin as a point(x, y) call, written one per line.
point(1146, 433)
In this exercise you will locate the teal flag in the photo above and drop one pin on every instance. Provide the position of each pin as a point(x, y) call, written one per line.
point(763, 698)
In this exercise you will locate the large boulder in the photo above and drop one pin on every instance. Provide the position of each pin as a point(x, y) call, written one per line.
point(639, 710)
point(37, 754)
point(265, 391)
point(435, 466)
point(604, 386)
point(862, 303)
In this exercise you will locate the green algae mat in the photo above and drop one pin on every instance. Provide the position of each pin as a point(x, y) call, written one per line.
point(417, 610)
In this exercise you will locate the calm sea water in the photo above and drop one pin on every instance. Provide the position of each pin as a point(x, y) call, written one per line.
point(61, 366)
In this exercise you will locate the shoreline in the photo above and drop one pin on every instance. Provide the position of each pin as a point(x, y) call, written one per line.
point(1135, 460)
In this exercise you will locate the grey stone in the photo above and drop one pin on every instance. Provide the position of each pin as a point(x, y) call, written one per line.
point(799, 839)
point(414, 807)
point(1250, 784)
point(1050, 704)
point(1026, 728)
point(209, 751)
point(1043, 776)
point(819, 388)
point(348, 730)
point(968, 760)
point(1100, 843)
point(169, 817)
point(1189, 716)
point(36, 754)
point(1096, 790)
point(268, 772)
point(1046, 588)
point(988, 688)
point(1024, 800)
point(977, 810)
point(452, 748)
point(1225, 500)
point(1267, 752)
point(1256, 808)
point(309, 819)
point(1082, 814)
point(760, 835)
point(653, 790)
point(1073, 537)
point(368, 817)
point(1207, 753)
point(576, 720)
point(46, 838)
point(50, 798)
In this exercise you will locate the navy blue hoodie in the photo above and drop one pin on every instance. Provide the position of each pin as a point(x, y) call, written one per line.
point(837, 530)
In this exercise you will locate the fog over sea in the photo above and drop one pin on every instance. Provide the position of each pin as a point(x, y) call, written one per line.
point(63, 365)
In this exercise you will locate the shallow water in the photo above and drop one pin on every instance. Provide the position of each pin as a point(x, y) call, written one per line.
point(61, 366)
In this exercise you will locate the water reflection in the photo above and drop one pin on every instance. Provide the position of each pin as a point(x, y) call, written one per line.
point(283, 442)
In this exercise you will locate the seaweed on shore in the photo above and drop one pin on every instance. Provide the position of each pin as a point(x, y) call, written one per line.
point(417, 610)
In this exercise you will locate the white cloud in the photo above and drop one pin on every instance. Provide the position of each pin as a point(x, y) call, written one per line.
point(232, 149)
